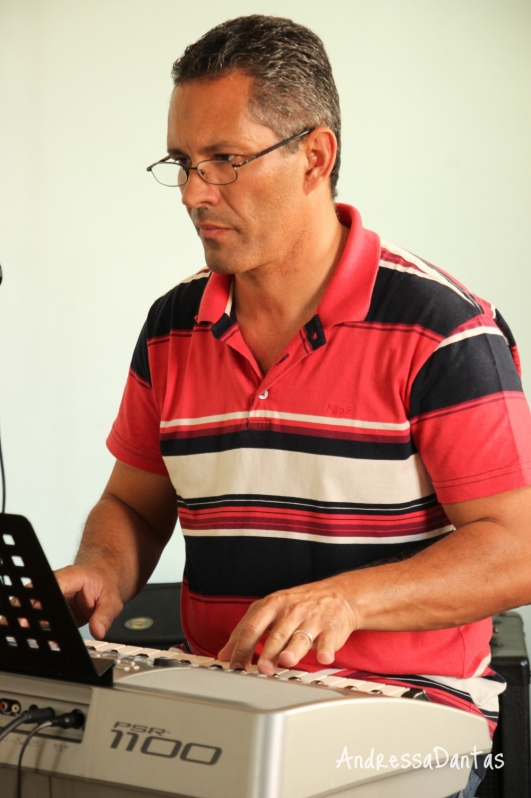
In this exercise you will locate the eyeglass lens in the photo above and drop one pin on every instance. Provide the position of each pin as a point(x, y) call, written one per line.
point(217, 172)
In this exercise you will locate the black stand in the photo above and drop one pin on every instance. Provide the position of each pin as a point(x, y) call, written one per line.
point(38, 636)
point(152, 619)
point(511, 738)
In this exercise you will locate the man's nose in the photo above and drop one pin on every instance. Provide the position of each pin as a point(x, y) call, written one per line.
point(196, 192)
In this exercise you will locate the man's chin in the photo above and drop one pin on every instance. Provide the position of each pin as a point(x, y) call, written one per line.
point(221, 264)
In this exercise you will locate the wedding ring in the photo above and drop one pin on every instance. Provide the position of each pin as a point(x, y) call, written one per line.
point(304, 632)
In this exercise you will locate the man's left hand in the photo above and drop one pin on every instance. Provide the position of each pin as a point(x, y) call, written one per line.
point(320, 608)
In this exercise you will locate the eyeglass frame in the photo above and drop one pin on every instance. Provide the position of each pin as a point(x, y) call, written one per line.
point(235, 166)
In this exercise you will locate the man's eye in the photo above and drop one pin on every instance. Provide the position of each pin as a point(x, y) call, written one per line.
point(223, 157)
point(184, 163)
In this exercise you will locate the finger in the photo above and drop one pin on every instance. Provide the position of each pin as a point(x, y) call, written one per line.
point(226, 652)
point(252, 627)
point(90, 599)
point(83, 602)
point(296, 648)
point(108, 605)
point(286, 645)
point(327, 645)
point(98, 626)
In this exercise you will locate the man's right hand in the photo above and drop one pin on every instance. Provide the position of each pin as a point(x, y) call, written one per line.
point(92, 596)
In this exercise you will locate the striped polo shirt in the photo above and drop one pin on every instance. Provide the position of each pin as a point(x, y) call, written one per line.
point(401, 394)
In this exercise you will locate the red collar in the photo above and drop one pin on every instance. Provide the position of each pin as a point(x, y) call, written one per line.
point(348, 294)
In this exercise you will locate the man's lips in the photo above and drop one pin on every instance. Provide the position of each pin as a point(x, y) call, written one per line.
point(211, 230)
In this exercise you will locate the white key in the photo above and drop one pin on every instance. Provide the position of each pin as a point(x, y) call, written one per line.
point(362, 686)
point(254, 669)
point(149, 653)
point(292, 675)
point(130, 651)
point(329, 681)
point(372, 687)
point(249, 669)
point(354, 683)
point(329, 672)
point(394, 690)
point(110, 647)
point(96, 644)
point(198, 660)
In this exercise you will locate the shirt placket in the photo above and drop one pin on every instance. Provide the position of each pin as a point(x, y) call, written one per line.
point(261, 397)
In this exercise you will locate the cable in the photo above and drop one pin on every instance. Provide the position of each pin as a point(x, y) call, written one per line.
point(69, 720)
point(30, 716)
point(26, 741)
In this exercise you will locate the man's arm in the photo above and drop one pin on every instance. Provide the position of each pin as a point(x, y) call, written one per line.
point(482, 568)
point(123, 539)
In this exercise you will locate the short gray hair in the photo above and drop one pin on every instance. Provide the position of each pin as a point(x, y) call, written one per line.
point(294, 88)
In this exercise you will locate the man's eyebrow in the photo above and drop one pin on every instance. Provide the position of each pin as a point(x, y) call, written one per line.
point(226, 146)
point(175, 153)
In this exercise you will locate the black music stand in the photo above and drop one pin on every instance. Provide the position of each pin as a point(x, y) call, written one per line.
point(38, 635)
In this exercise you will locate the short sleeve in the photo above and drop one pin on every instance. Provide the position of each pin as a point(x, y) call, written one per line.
point(469, 417)
point(135, 436)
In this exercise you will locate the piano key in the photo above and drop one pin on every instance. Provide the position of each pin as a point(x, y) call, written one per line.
point(362, 686)
point(355, 684)
point(103, 648)
point(288, 676)
point(182, 656)
point(329, 681)
point(372, 687)
point(97, 645)
point(254, 669)
point(394, 690)
point(199, 660)
point(325, 677)
point(130, 651)
point(148, 653)
point(322, 674)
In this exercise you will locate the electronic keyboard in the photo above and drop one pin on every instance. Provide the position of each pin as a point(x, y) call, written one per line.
point(175, 724)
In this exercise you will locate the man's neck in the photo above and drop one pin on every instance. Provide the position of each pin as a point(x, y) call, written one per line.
point(273, 302)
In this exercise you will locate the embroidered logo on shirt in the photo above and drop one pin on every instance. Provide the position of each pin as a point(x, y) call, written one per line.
point(340, 410)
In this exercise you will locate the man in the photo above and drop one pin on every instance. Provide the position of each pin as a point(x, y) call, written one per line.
point(326, 408)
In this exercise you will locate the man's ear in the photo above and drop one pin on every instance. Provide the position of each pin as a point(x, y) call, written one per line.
point(320, 147)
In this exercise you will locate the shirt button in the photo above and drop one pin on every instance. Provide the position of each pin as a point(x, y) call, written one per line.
point(264, 395)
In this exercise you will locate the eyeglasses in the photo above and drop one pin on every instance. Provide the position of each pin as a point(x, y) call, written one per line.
point(220, 173)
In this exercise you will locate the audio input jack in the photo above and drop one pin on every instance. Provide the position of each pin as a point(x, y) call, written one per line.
point(9, 707)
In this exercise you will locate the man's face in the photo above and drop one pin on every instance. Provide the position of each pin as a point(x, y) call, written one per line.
point(254, 221)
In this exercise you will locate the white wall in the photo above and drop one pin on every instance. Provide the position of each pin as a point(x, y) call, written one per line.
point(437, 125)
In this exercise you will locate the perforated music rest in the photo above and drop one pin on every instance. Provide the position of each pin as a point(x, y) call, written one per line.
point(38, 635)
